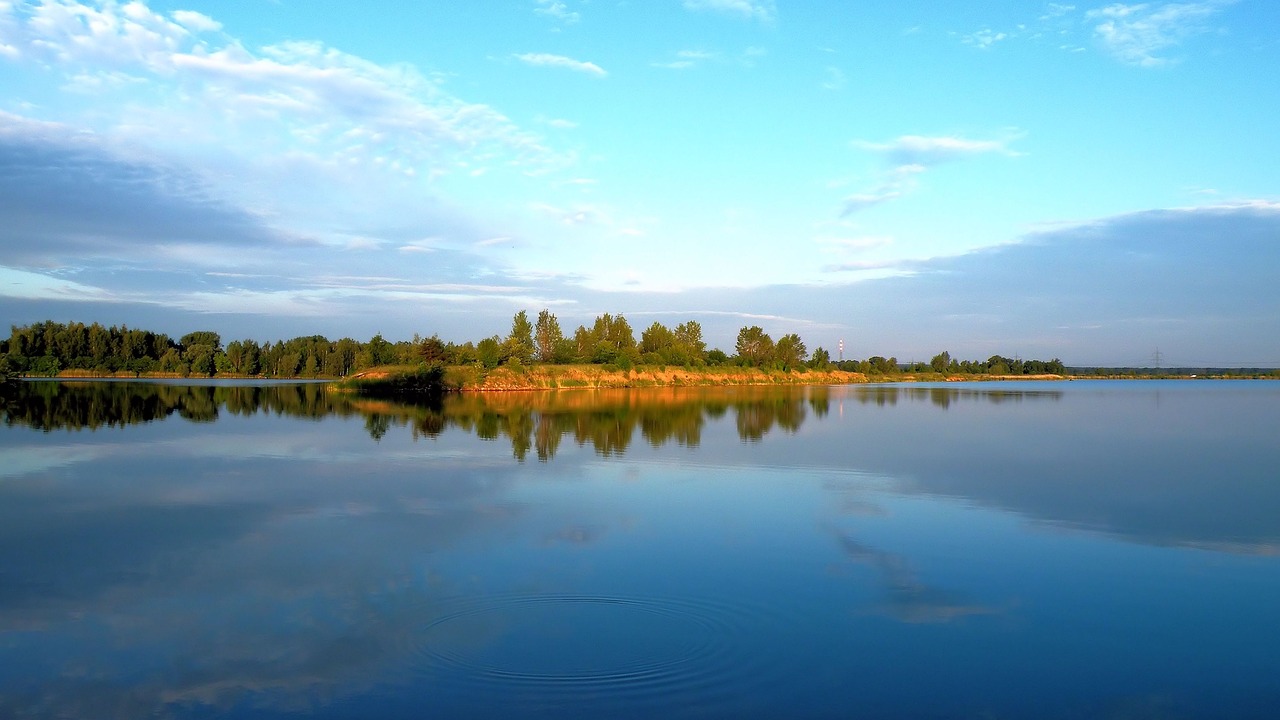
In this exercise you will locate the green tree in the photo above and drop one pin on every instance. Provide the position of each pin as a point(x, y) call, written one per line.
point(547, 337)
point(941, 361)
point(657, 339)
point(790, 351)
point(754, 346)
point(201, 337)
point(489, 352)
point(380, 351)
point(520, 341)
point(688, 340)
point(433, 351)
point(821, 359)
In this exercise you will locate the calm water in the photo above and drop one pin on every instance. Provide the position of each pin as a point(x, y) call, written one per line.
point(1030, 550)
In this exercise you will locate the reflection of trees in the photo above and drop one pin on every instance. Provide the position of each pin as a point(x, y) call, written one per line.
point(537, 423)
point(50, 406)
point(944, 397)
point(608, 420)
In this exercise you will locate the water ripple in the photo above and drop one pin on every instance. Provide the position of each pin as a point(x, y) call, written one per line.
point(563, 644)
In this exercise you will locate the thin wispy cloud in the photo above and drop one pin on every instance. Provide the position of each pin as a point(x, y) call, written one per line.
point(196, 22)
point(909, 156)
point(762, 10)
point(984, 38)
point(1140, 34)
point(929, 151)
point(685, 59)
point(560, 61)
point(558, 10)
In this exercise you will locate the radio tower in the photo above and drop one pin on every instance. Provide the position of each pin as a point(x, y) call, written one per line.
point(1156, 357)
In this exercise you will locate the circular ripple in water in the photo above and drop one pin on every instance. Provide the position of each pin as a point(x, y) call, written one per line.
point(572, 643)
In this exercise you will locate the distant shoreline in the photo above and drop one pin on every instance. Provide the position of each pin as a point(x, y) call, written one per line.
point(468, 379)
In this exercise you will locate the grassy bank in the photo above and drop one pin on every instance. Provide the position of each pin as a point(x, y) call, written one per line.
point(553, 377)
point(470, 378)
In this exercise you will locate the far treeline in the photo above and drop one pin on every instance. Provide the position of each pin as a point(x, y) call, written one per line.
point(50, 348)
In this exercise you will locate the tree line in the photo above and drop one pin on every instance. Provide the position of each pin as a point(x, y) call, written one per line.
point(49, 348)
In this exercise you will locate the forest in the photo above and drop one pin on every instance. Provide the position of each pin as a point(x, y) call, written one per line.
point(47, 349)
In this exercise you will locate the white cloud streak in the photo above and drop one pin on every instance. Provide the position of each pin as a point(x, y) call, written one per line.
point(196, 22)
point(558, 10)
point(1138, 34)
point(560, 61)
point(762, 10)
point(929, 151)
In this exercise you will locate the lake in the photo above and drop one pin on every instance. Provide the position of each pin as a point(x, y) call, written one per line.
point(1088, 549)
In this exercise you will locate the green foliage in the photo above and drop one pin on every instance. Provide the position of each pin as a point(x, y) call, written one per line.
point(790, 352)
point(489, 352)
point(47, 348)
point(548, 339)
point(433, 351)
point(754, 346)
point(201, 337)
point(519, 344)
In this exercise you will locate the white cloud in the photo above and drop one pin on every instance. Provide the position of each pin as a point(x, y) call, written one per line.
point(861, 201)
point(287, 117)
point(36, 286)
point(763, 10)
point(557, 10)
point(560, 61)
point(984, 38)
point(923, 151)
point(1136, 34)
point(910, 156)
point(196, 22)
point(686, 59)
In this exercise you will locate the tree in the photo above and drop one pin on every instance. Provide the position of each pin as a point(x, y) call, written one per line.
point(608, 340)
point(433, 351)
point(941, 361)
point(754, 346)
point(688, 339)
point(201, 337)
point(547, 336)
point(657, 339)
point(380, 351)
point(489, 352)
point(790, 351)
point(520, 341)
point(821, 359)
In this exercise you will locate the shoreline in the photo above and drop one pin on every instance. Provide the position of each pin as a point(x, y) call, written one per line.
point(470, 379)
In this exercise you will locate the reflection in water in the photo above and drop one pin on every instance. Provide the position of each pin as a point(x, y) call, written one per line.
point(909, 599)
point(734, 552)
point(76, 405)
point(530, 421)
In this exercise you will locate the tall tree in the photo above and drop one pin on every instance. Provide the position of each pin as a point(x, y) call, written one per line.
point(754, 346)
point(520, 341)
point(547, 336)
point(689, 340)
point(790, 351)
point(657, 339)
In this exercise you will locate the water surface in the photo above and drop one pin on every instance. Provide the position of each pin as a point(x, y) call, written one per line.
point(1037, 550)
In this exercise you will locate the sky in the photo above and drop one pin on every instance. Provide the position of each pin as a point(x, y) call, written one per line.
point(1091, 182)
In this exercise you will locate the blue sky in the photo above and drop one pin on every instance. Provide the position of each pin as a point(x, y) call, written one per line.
point(1083, 181)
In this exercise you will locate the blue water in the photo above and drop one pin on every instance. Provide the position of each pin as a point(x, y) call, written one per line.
point(1015, 550)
